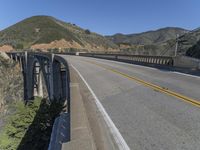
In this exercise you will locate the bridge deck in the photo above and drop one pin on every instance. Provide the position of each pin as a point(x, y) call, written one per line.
point(150, 107)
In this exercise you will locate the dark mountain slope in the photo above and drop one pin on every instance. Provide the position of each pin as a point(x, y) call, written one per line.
point(189, 44)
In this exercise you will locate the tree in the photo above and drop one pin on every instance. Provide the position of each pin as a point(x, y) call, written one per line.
point(87, 31)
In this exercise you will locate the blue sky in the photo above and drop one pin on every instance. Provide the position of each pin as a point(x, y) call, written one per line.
point(107, 16)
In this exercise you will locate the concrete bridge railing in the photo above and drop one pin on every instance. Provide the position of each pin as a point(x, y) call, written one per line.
point(159, 60)
point(179, 61)
point(187, 62)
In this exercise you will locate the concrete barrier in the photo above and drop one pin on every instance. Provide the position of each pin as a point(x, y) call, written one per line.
point(89, 130)
point(158, 60)
point(81, 135)
point(60, 133)
point(180, 61)
point(187, 62)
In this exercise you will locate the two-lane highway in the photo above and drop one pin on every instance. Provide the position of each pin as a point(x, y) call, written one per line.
point(153, 109)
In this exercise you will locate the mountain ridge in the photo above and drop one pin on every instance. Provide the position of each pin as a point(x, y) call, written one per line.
point(46, 29)
point(148, 37)
point(48, 33)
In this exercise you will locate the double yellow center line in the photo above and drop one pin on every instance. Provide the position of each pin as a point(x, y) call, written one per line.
point(152, 86)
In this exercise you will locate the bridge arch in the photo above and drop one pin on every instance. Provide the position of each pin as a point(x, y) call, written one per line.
point(37, 76)
point(49, 71)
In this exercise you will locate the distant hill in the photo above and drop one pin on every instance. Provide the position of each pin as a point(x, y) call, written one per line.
point(48, 32)
point(150, 37)
point(194, 51)
point(45, 32)
point(159, 42)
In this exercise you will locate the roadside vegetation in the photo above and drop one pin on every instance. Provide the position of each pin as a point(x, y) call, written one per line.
point(28, 127)
point(17, 122)
point(23, 127)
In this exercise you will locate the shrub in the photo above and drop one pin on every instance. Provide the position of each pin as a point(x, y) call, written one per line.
point(19, 46)
point(87, 31)
point(29, 127)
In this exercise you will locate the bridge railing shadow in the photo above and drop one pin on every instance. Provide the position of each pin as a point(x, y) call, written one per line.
point(37, 136)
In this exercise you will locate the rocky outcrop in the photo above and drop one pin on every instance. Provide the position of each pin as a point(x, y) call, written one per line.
point(11, 82)
point(6, 48)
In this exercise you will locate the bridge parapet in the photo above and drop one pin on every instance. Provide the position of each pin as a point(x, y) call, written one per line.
point(187, 62)
point(159, 60)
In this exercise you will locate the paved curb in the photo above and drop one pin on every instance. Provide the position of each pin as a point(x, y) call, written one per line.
point(81, 135)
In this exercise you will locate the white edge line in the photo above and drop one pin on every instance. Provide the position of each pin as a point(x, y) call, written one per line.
point(113, 129)
point(189, 75)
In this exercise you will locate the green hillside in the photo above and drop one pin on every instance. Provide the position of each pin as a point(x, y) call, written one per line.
point(42, 32)
point(45, 29)
point(159, 42)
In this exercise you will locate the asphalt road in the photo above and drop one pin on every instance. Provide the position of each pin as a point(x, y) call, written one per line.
point(148, 118)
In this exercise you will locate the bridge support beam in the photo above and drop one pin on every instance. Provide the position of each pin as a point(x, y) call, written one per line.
point(38, 87)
